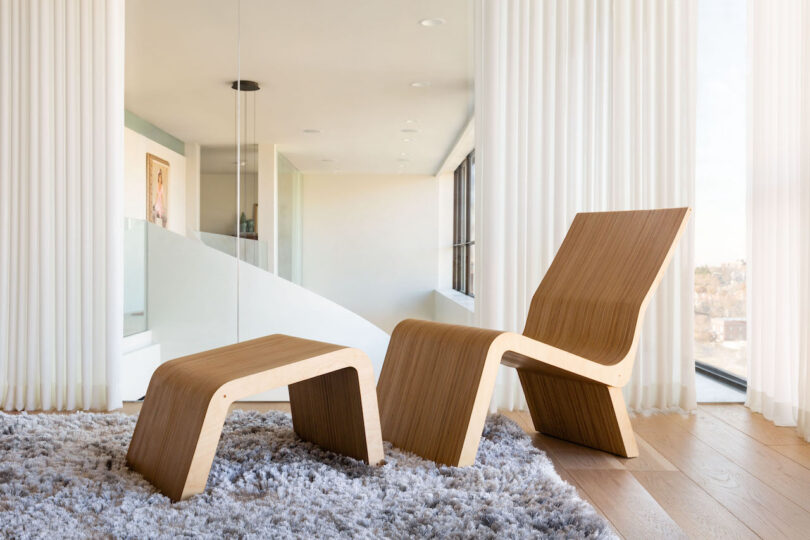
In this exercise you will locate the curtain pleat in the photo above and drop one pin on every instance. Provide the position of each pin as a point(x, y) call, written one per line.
point(779, 212)
point(61, 206)
point(584, 106)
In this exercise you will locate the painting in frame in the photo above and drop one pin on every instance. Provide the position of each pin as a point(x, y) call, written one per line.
point(157, 190)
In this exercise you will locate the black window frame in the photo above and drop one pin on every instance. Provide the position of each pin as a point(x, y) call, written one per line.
point(464, 226)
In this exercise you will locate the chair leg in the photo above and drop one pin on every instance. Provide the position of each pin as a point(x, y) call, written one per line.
point(579, 411)
point(434, 390)
point(338, 411)
point(176, 436)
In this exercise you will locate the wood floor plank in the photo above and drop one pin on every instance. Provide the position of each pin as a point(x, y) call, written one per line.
point(778, 471)
point(131, 407)
point(694, 510)
point(798, 453)
point(753, 424)
point(649, 459)
point(765, 511)
point(636, 514)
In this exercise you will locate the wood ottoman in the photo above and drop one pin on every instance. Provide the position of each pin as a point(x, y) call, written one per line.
point(332, 397)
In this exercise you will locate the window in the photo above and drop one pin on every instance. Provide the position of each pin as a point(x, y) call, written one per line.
point(720, 191)
point(464, 226)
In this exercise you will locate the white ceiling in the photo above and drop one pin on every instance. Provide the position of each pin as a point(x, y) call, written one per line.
point(344, 67)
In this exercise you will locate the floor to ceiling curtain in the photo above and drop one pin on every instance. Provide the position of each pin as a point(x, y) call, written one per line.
point(779, 212)
point(61, 206)
point(582, 106)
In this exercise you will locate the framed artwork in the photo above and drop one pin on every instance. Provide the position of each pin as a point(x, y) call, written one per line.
point(157, 190)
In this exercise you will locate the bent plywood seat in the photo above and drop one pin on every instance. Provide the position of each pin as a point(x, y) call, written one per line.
point(575, 354)
point(332, 398)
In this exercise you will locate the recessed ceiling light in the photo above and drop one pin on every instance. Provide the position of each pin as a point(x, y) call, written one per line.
point(403, 154)
point(410, 121)
point(420, 84)
point(310, 130)
point(432, 22)
point(406, 140)
point(409, 130)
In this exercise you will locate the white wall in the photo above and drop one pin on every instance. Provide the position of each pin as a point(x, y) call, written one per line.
point(192, 188)
point(444, 230)
point(453, 307)
point(288, 221)
point(136, 146)
point(267, 220)
point(370, 244)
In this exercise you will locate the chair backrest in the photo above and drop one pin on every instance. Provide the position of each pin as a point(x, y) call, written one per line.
point(592, 299)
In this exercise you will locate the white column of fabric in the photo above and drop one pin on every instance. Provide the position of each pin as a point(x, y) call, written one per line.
point(583, 106)
point(779, 212)
point(61, 207)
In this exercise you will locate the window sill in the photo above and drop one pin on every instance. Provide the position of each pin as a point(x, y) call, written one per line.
point(463, 301)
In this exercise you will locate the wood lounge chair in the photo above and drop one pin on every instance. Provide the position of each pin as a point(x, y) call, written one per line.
point(575, 354)
point(332, 399)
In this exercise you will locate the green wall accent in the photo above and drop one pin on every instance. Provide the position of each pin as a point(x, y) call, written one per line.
point(151, 131)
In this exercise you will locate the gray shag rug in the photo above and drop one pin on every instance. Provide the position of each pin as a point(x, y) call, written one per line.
point(65, 476)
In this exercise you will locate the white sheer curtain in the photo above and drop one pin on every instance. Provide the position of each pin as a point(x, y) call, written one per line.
point(61, 206)
point(584, 105)
point(779, 212)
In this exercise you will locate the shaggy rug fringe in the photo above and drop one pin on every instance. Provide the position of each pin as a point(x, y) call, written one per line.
point(64, 476)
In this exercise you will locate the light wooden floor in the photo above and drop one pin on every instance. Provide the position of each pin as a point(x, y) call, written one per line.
point(721, 473)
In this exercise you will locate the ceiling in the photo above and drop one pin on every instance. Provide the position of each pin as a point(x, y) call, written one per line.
point(342, 67)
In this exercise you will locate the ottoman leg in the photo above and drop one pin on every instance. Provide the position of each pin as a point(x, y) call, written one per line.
point(338, 410)
point(177, 433)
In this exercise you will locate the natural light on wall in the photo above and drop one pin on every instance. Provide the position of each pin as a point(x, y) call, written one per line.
point(720, 223)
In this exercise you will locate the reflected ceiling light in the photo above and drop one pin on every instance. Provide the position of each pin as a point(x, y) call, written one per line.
point(310, 130)
point(406, 140)
point(420, 84)
point(410, 121)
point(409, 130)
point(432, 22)
point(403, 154)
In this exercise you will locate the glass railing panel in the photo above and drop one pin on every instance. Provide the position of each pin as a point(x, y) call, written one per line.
point(289, 220)
point(250, 251)
point(135, 260)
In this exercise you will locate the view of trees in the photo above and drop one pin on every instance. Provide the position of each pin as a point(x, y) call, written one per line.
point(720, 316)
